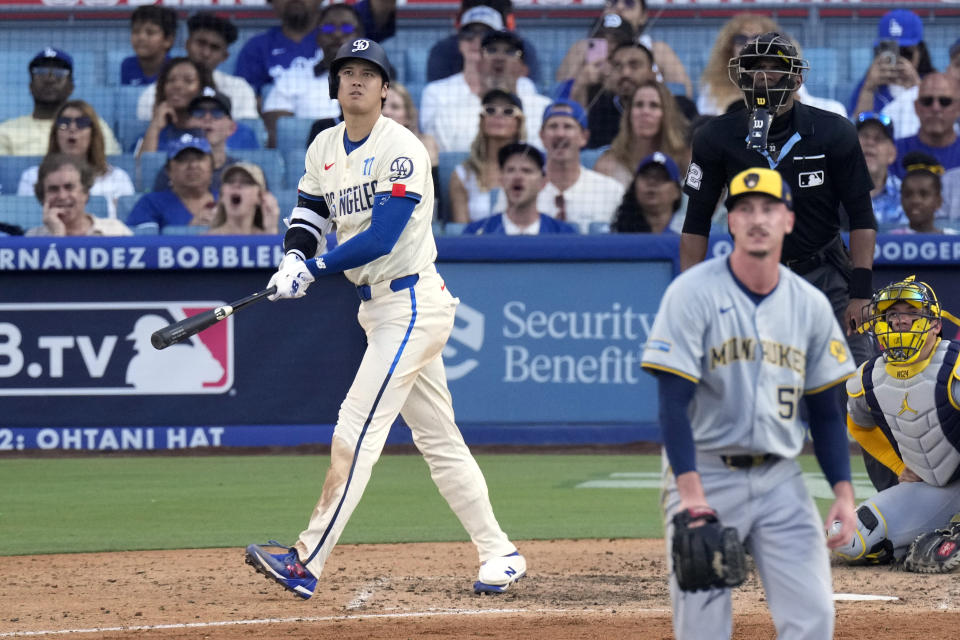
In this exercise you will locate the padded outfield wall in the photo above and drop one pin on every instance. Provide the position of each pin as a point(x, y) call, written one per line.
point(545, 350)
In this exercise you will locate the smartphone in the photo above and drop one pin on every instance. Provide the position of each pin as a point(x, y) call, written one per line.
point(889, 52)
point(596, 49)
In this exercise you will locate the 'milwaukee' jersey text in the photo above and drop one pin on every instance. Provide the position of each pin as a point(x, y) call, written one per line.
point(766, 352)
point(390, 163)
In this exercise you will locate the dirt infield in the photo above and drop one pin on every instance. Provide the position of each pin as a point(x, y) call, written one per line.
point(588, 589)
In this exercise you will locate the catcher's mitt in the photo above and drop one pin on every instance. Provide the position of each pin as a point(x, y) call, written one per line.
point(706, 556)
point(935, 552)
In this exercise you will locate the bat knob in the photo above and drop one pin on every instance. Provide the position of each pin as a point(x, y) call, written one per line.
point(157, 341)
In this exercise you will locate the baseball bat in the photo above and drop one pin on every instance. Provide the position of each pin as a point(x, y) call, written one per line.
point(183, 329)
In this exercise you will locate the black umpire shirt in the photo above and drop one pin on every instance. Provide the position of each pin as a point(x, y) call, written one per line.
point(820, 159)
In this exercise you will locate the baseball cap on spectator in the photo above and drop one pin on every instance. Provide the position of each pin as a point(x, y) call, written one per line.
point(613, 27)
point(566, 107)
point(523, 149)
point(500, 94)
point(51, 57)
point(503, 36)
point(209, 94)
point(251, 170)
point(759, 180)
point(901, 25)
point(882, 120)
point(484, 15)
point(187, 141)
point(662, 160)
point(920, 162)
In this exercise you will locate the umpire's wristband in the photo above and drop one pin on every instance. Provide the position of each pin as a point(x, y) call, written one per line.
point(861, 283)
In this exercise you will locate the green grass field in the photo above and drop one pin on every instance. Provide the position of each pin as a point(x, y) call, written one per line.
point(111, 504)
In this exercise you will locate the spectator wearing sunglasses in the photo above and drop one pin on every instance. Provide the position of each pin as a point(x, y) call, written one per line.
point(475, 191)
point(900, 60)
point(875, 132)
point(303, 90)
point(209, 116)
point(208, 47)
point(51, 83)
point(902, 109)
point(938, 107)
point(475, 19)
point(449, 107)
point(76, 133)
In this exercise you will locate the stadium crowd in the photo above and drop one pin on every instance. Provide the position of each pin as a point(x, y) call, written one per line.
point(608, 138)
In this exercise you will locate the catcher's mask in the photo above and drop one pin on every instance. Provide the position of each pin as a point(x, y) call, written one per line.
point(902, 333)
point(767, 70)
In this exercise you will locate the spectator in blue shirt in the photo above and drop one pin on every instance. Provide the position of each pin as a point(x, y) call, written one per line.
point(875, 131)
point(938, 108)
point(522, 175)
point(190, 200)
point(152, 31)
point(889, 77)
point(267, 54)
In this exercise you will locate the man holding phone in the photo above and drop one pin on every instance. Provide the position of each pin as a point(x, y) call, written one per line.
point(901, 59)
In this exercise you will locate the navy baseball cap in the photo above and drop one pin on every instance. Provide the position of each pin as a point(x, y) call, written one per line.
point(503, 35)
point(566, 107)
point(52, 57)
point(661, 160)
point(187, 141)
point(209, 94)
point(523, 149)
point(901, 25)
point(883, 120)
point(500, 94)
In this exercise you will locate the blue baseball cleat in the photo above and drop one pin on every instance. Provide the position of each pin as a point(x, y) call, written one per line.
point(283, 568)
point(497, 574)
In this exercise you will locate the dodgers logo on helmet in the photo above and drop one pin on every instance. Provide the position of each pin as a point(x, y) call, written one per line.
point(401, 168)
point(360, 44)
point(105, 349)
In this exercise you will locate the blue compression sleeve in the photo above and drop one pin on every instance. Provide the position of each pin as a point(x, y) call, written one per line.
point(829, 435)
point(675, 394)
point(387, 221)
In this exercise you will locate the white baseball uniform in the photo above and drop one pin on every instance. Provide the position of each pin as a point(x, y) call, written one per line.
point(407, 314)
point(752, 359)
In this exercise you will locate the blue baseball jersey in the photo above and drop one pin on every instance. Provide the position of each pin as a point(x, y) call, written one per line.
point(266, 55)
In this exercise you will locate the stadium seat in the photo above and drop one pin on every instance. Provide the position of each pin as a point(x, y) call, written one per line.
point(294, 164)
point(454, 228)
point(115, 58)
point(23, 211)
point(292, 133)
point(270, 160)
point(258, 128)
point(127, 162)
point(125, 205)
point(151, 163)
point(824, 77)
point(588, 157)
point(447, 162)
point(128, 131)
point(10, 169)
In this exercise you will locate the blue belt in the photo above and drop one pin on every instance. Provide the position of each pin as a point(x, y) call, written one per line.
point(366, 293)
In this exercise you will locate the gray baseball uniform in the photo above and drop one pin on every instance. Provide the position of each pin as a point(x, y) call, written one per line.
point(752, 359)
point(921, 406)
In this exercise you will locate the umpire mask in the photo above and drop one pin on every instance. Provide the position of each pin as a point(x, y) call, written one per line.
point(767, 70)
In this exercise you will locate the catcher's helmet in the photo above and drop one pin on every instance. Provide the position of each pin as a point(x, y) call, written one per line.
point(750, 76)
point(359, 49)
point(902, 344)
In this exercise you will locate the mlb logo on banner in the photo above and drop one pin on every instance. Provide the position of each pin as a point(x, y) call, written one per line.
point(103, 348)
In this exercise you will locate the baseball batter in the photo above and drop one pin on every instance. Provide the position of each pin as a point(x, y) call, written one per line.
point(370, 177)
point(913, 388)
point(736, 343)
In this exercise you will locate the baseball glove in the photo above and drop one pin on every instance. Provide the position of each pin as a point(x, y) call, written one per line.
point(935, 552)
point(706, 556)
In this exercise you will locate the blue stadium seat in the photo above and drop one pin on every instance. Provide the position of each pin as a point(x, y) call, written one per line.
point(151, 163)
point(292, 133)
point(115, 59)
point(293, 160)
point(824, 77)
point(270, 160)
point(259, 130)
point(125, 205)
point(10, 169)
point(129, 131)
point(446, 163)
point(454, 228)
point(127, 162)
point(588, 157)
point(23, 211)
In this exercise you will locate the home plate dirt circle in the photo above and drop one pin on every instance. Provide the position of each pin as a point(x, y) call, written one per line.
point(581, 589)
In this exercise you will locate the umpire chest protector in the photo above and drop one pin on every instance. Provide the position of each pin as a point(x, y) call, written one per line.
point(921, 407)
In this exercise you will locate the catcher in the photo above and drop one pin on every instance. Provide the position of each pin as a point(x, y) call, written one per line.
point(913, 388)
point(737, 343)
